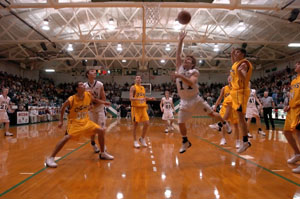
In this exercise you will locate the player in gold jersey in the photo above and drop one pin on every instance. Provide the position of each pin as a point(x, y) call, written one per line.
point(227, 113)
point(139, 110)
point(292, 122)
point(79, 123)
point(241, 72)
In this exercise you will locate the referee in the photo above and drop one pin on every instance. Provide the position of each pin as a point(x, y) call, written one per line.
point(268, 104)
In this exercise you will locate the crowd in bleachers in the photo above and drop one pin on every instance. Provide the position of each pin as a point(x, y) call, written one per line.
point(277, 84)
point(42, 97)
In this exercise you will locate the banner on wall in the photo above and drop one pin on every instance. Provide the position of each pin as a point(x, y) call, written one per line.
point(22, 117)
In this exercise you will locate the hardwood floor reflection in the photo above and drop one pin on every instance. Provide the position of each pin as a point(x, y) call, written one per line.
point(206, 170)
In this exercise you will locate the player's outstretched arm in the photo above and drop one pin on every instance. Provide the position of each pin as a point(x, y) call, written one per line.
point(179, 49)
point(219, 99)
point(150, 98)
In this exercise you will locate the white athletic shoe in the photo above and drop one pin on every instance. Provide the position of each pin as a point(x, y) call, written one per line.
point(50, 162)
point(105, 156)
point(244, 147)
point(262, 133)
point(166, 130)
point(185, 146)
point(294, 159)
point(296, 170)
point(228, 128)
point(136, 144)
point(250, 135)
point(223, 141)
point(237, 144)
point(143, 142)
point(8, 134)
point(215, 127)
point(95, 148)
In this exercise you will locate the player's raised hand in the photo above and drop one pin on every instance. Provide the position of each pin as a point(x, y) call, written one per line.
point(182, 35)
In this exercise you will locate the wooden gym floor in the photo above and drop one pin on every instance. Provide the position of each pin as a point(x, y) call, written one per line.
point(205, 171)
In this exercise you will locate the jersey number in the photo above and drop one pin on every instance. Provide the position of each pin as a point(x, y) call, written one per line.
point(181, 86)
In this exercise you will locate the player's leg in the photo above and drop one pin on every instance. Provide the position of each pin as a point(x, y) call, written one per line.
point(243, 128)
point(145, 120)
point(258, 123)
point(50, 160)
point(185, 142)
point(101, 139)
point(6, 127)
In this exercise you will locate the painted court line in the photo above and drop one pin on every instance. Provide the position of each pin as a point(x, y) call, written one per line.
point(248, 157)
point(251, 162)
point(26, 173)
point(36, 173)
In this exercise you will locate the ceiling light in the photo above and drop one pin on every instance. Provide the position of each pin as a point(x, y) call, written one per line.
point(111, 24)
point(241, 26)
point(49, 70)
point(124, 60)
point(216, 48)
point(168, 48)
point(45, 28)
point(46, 22)
point(200, 61)
point(294, 45)
point(111, 21)
point(70, 47)
point(111, 27)
point(119, 47)
point(45, 25)
point(162, 61)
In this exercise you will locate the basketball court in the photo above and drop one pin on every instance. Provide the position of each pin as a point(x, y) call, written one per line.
point(124, 39)
point(207, 170)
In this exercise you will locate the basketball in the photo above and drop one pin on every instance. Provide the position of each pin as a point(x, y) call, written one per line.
point(184, 17)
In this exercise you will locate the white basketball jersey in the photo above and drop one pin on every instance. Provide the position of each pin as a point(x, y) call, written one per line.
point(187, 92)
point(251, 101)
point(4, 103)
point(95, 90)
point(167, 103)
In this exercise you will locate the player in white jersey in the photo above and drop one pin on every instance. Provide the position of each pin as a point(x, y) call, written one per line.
point(190, 101)
point(4, 107)
point(96, 114)
point(252, 112)
point(167, 107)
